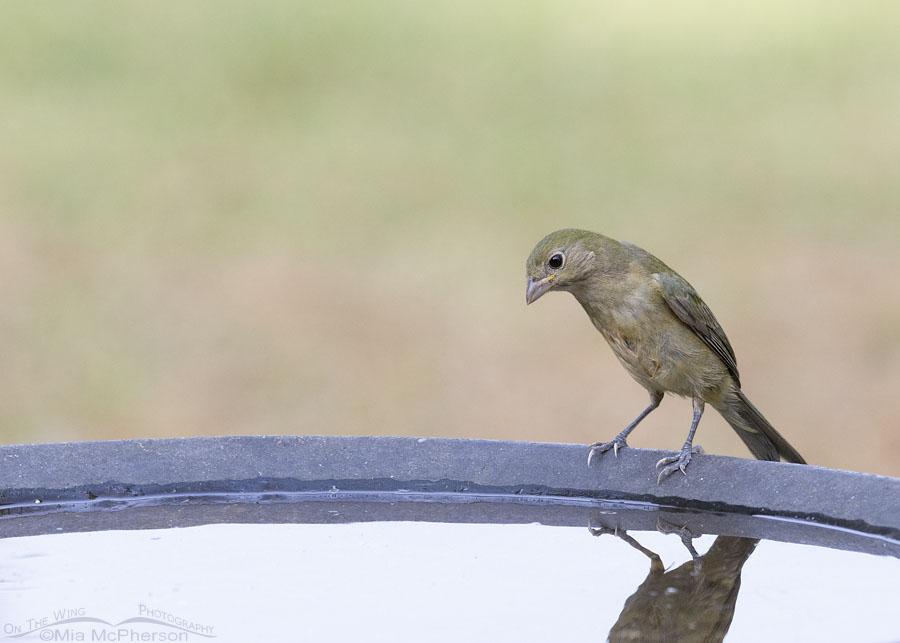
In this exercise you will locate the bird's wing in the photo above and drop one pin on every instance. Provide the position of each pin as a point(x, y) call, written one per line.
point(693, 311)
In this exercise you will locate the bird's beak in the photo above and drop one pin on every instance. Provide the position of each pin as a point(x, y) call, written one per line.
point(537, 287)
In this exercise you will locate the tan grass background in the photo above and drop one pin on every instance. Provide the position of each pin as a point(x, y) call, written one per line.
point(313, 217)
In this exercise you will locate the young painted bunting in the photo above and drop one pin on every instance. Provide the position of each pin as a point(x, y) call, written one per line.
point(660, 330)
point(692, 602)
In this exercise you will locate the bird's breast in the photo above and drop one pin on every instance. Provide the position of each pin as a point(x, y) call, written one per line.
point(657, 349)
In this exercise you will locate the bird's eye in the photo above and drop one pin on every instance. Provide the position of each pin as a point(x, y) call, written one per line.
point(556, 261)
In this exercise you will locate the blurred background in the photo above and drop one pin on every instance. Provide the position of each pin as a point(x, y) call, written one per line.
point(313, 217)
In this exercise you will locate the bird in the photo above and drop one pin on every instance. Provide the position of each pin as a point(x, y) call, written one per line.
point(693, 602)
point(660, 330)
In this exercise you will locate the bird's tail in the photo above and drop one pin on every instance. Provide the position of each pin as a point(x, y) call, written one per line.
point(764, 442)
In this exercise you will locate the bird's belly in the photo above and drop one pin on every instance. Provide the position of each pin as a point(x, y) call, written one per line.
point(672, 360)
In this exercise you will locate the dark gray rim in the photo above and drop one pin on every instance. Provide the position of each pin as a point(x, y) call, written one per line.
point(293, 478)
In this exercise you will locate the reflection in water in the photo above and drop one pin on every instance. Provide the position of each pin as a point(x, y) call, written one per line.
point(308, 576)
point(693, 602)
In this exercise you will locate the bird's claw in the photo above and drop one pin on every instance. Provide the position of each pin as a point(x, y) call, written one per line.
point(675, 463)
point(602, 529)
point(602, 447)
point(687, 539)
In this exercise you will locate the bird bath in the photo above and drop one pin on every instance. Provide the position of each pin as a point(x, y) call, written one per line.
point(309, 538)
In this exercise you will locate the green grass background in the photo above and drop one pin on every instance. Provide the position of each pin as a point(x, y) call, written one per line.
point(312, 217)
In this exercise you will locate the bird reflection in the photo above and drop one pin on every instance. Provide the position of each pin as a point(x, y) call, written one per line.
point(693, 602)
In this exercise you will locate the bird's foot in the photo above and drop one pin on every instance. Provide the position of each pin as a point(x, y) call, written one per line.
point(678, 462)
point(615, 444)
point(599, 529)
point(687, 539)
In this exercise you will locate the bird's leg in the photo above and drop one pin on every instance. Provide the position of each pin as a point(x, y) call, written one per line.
point(655, 560)
point(687, 539)
point(679, 462)
point(618, 442)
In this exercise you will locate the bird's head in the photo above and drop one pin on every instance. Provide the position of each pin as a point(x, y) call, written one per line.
point(559, 261)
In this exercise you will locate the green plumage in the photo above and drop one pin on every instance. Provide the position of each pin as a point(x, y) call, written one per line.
point(659, 328)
